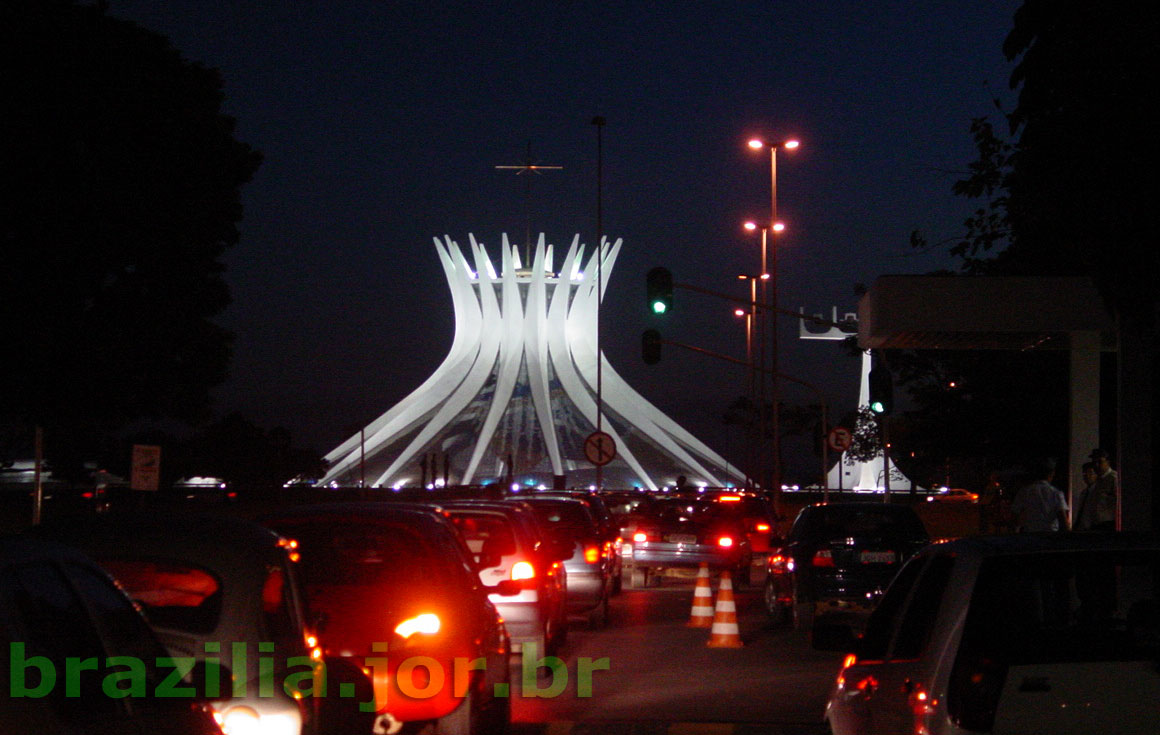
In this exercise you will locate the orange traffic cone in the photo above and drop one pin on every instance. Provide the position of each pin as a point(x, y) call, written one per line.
point(702, 616)
point(725, 633)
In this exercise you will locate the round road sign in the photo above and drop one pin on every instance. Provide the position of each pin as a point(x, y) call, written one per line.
point(599, 448)
point(839, 438)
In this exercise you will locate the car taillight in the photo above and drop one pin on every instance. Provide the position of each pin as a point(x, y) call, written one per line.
point(592, 554)
point(640, 537)
point(426, 623)
point(523, 570)
point(823, 558)
point(762, 527)
point(922, 706)
point(725, 541)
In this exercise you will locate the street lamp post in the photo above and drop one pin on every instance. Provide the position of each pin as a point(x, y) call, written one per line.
point(770, 298)
point(754, 463)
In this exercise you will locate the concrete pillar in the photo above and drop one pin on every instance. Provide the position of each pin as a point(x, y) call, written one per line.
point(1084, 410)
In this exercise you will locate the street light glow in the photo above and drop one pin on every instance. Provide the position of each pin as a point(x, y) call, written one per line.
point(751, 226)
point(739, 312)
point(778, 226)
point(787, 145)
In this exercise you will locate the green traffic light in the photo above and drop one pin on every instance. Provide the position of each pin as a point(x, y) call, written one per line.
point(877, 407)
point(659, 307)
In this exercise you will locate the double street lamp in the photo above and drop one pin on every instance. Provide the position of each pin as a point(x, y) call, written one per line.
point(769, 298)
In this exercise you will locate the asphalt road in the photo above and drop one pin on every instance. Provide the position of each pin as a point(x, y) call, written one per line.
point(648, 673)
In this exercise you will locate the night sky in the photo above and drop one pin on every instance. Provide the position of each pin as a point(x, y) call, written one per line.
point(381, 124)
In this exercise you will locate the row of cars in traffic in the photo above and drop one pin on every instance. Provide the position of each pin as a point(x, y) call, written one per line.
point(348, 617)
point(333, 617)
point(1023, 633)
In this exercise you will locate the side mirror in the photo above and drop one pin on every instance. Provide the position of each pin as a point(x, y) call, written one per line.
point(507, 588)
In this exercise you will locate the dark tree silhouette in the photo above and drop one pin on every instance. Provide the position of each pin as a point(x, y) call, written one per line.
point(122, 181)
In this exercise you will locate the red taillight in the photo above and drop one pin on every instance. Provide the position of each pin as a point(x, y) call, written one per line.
point(87, 496)
point(823, 558)
point(640, 537)
point(592, 554)
point(523, 570)
point(763, 527)
point(725, 541)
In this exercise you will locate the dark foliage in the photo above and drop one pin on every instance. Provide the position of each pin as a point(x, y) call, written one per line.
point(122, 194)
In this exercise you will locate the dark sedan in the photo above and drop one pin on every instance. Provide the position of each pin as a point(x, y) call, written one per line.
point(395, 588)
point(839, 558)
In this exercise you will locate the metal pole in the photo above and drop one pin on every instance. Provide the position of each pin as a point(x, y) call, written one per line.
point(775, 392)
point(598, 121)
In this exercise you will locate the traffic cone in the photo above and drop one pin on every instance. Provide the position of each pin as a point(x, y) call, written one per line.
point(725, 633)
point(702, 616)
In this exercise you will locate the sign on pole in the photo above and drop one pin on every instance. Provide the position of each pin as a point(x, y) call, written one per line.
point(146, 467)
point(839, 438)
point(599, 448)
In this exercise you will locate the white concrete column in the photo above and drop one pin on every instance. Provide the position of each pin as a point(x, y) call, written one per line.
point(1084, 411)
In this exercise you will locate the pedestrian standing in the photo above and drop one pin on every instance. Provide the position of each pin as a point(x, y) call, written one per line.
point(1041, 506)
point(1097, 507)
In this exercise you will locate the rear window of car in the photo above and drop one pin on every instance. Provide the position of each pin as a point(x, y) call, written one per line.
point(564, 518)
point(365, 554)
point(830, 523)
point(485, 530)
point(173, 594)
point(1065, 607)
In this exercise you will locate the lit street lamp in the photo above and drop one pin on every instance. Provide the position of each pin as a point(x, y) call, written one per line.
point(771, 301)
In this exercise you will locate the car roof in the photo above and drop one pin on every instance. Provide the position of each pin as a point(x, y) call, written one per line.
point(1034, 543)
point(22, 548)
point(228, 544)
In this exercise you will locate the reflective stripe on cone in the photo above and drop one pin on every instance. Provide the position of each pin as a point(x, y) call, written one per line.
point(702, 615)
point(725, 633)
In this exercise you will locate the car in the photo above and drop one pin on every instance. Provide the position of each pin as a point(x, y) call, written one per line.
point(506, 538)
point(606, 522)
point(953, 495)
point(680, 533)
point(57, 605)
point(1043, 633)
point(589, 566)
point(627, 508)
point(396, 590)
point(838, 558)
point(756, 513)
point(219, 588)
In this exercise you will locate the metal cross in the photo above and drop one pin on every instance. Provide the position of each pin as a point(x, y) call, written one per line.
point(528, 167)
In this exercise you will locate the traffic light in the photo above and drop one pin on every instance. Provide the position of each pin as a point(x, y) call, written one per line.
point(881, 387)
point(650, 344)
point(660, 290)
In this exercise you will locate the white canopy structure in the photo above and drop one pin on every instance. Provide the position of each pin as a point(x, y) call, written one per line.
point(515, 397)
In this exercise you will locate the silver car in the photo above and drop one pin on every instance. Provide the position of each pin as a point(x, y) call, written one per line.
point(1054, 633)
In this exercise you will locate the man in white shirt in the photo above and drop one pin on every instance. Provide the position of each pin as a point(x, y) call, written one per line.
point(1040, 506)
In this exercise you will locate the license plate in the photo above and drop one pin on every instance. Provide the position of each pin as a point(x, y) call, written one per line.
point(877, 557)
point(681, 538)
